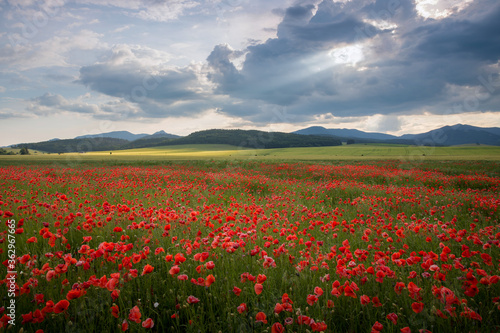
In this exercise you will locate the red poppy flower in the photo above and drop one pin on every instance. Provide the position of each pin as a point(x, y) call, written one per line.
point(417, 307)
point(277, 328)
point(148, 323)
point(258, 288)
point(124, 325)
point(393, 317)
point(192, 300)
point(61, 306)
point(377, 327)
point(174, 270)
point(32, 240)
point(75, 293)
point(242, 308)
point(348, 292)
point(209, 280)
point(311, 299)
point(179, 258)
point(318, 327)
point(278, 308)
point(135, 314)
point(115, 311)
point(147, 269)
point(261, 317)
point(376, 302)
point(364, 300)
point(286, 299)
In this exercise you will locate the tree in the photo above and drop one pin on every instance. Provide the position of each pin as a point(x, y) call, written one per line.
point(24, 151)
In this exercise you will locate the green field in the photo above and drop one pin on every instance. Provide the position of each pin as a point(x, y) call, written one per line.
point(226, 152)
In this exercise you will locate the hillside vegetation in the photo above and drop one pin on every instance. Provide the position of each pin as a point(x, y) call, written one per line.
point(239, 138)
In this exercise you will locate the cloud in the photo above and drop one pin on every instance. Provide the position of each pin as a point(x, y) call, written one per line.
point(403, 64)
point(140, 75)
point(55, 51)
point(328, 59)
point(150, 10)
point(52, 104)
point(6, 113)
point(2, 89)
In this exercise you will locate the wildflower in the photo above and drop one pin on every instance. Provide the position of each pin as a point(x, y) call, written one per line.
point(115, 311)
point(192, 300)
point(242, 308)
point(135, 314)
point(417, 307)
point(258, 288)
point(148, 323)
point(61, 306)
point(261, 317)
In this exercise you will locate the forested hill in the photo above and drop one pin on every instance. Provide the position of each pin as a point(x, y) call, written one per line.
point(255, 139)
point(240, 138)
point(76, 145)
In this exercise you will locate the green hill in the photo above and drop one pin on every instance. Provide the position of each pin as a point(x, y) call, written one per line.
point(255, 139)
point(239, 138)
point(76, 145)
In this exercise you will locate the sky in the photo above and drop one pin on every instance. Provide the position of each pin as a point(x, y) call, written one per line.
point(76, 67)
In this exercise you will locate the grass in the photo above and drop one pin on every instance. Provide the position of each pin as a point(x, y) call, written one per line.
point(357, 152)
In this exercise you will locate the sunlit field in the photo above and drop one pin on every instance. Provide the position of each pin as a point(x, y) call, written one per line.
point(250, 246)
point(355, 152)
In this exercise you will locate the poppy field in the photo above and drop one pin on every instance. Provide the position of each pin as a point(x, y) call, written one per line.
point(249, 247)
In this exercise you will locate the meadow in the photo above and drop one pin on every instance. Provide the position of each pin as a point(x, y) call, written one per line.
point(134, 242)
point(355, 152)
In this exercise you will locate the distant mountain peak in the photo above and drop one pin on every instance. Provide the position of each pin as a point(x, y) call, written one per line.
point(450, 135)
point(124, 135)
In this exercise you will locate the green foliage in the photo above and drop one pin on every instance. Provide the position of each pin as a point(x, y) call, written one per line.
point(238, 138)
point(5, 152)
point(77, 145)
point(255, 139)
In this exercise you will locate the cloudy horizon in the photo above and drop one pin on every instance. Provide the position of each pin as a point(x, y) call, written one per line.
point(76, 67)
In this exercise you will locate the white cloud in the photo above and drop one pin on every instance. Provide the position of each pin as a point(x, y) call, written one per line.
point(2, 89)
point(123, 28)
point(166, 11)
point(439, 9)
point(140, 56)
point(50, 52)
point(7, 113)
point(21, 3)
point(150, 10)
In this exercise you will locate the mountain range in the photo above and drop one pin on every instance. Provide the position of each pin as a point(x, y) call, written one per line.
point(126, 135)
point(308, 137)
point(445, 136)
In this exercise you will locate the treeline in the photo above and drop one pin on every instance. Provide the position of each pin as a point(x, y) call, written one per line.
point(5, 152)
point(76, 145)
point(255, 139)
point(240, 138)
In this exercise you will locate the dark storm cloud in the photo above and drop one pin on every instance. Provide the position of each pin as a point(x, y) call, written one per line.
point(343, 59)
point(409, 64)
point(460, 39)
point(131, 82)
